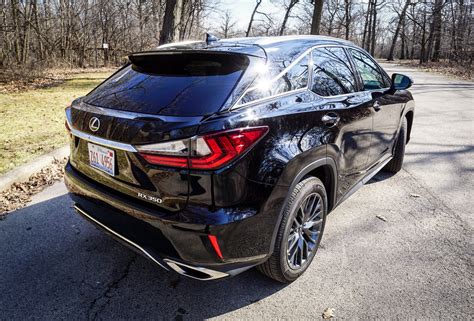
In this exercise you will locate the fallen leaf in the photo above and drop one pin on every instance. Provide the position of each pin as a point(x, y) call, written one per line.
point(415, 195)
point(382, 218)
point(19, 194)
point(328, 313)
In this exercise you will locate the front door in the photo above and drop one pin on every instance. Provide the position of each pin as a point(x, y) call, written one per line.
point(386, 106)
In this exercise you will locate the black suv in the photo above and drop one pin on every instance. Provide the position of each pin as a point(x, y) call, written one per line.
point(211, 157)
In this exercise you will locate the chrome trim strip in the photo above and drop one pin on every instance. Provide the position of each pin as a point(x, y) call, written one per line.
point(82, 212)
point(171, 263)
point(362, 182)
point(269, 98)
point(102, 141)
point(213, 275)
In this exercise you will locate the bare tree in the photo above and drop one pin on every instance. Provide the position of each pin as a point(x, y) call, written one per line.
point(401, 19)
point(227, 25)
point(257, 4)
point(288, 7)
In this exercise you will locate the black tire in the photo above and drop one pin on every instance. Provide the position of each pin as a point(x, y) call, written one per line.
point(278, 266)
point(395, 165)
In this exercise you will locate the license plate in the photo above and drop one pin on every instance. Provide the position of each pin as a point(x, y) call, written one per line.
point(102, 158)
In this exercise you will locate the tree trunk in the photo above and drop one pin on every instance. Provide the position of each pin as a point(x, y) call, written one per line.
point(437, 30)
point(167, 29)
point(317, 14)
point(423, 40)
point(287, 14)
point(374, 24)
point(404, 48)
point(257, 4)
point(348, 18)
point(397, 30)
point(367, 27)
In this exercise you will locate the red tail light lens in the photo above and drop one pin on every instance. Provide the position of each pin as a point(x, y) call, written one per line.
point(205, 152)
point(171, 161)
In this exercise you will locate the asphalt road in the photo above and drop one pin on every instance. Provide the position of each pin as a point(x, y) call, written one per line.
point(417, 263)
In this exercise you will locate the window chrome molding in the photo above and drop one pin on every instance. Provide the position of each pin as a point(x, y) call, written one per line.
point(309, 52)
point(278, 76)
point(270, 98)
point(308, 85)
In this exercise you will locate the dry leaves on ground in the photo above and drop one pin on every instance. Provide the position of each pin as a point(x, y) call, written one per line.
point(19, 194)
point(328, 313)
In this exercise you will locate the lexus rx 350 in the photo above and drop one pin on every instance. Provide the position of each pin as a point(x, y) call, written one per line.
point(211, 157)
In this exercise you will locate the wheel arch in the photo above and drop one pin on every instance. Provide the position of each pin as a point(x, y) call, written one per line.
point(325, 169)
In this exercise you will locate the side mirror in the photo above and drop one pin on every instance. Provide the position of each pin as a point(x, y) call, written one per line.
point(400, 82)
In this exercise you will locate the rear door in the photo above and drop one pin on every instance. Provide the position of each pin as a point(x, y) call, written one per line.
point(387, 107)
point(346, 113)
point(160, 97)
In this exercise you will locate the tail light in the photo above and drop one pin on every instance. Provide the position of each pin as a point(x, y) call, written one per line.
point(204, 152)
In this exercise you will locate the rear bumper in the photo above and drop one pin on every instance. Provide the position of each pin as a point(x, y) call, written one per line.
point(168, 239)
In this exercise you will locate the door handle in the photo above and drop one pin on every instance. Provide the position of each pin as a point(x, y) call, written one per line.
point(330, 119)
point(376, 105)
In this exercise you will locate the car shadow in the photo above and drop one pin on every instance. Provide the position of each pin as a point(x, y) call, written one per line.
point(380, 176)
point(57, 265)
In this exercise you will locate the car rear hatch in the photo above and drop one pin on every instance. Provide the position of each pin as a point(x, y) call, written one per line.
point(159, 97)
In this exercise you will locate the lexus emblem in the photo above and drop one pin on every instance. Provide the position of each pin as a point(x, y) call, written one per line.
point(94, 124)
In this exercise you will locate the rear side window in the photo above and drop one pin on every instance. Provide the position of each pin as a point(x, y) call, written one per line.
point(370, 73)
point(332, 73)
point(175, 84)
point(295, 78)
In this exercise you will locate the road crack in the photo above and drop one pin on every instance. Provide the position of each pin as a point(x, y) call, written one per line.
point(100, 303)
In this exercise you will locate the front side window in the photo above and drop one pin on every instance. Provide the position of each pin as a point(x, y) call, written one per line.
point(295, 78)
point(370, 73)
point(332, 74)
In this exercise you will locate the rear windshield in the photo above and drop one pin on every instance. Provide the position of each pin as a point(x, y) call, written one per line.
point(175, 84)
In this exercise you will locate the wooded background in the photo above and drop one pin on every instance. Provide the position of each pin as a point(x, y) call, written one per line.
point(38, 34)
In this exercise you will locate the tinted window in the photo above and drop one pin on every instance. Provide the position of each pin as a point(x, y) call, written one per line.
point(172, 84)
point(332, 74)
point(370, 73)
point(295, 78)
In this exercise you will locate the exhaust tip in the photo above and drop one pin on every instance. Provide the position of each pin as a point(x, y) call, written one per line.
point(195, 272)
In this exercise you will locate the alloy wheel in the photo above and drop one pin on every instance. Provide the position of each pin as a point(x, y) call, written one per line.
point(305, 231)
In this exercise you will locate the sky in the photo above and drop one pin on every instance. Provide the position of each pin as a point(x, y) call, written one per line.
point(241, 11)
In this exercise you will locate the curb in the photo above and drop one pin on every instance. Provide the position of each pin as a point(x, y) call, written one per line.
point(23, 173)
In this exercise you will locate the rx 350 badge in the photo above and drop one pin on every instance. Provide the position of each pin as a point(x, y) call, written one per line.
point(150, 198)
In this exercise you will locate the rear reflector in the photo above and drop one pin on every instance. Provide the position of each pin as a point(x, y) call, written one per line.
point(215, 245)
point(204, 152)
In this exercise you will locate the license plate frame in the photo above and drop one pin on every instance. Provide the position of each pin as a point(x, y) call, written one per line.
point(101, 158)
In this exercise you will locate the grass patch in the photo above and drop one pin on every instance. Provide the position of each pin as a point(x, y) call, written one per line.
point(32, 122)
